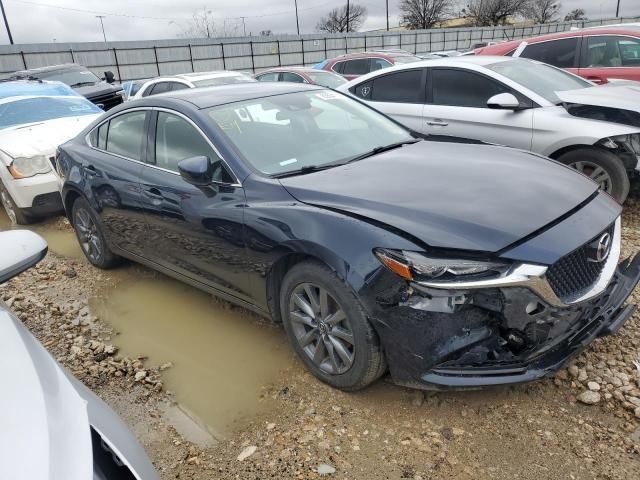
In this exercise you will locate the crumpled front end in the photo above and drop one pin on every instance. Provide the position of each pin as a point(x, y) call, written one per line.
point(515, 327)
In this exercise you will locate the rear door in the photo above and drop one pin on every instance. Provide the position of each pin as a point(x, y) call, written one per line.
point(400, 95)
point(195, 231)
point(111, 170)
point(457, 107)
point(562, 52)
point(610, 56)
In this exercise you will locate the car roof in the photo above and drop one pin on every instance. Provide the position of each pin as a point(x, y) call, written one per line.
point(297, 69)
point(220, 95)
point(207, 75)
point(50, 68)
point(361, 55)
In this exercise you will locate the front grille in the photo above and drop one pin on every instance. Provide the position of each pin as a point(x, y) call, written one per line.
point(575, 273)
point(109, 101)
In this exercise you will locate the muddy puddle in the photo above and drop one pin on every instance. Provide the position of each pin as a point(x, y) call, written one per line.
point(221, 357)
point(61, 238)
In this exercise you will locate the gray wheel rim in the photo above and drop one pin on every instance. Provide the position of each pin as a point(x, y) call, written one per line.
point(321, 328)
point(88, 235)
point(595, 172)
point(8, 206)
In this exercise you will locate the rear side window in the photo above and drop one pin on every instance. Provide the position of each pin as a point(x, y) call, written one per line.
point(338, 67)
point(612, 51)
point(378, 64)
point(363, 90)
point(126, 134)
point(178, 86)
point(559, 53)
point(160, 87)
point(102, 136)
point(291, 77)
point(359, 66)
point(268, 77)
point(459, 88)
point(399, 87)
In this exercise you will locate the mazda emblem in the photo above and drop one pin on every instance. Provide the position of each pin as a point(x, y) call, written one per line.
point(601, 248)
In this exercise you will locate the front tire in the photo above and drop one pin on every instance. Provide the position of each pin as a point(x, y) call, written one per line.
point(16, 215)
point(328, 328)
point(602, 167)
point(90, 236)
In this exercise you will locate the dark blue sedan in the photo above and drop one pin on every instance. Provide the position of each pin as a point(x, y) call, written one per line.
point(448, 264)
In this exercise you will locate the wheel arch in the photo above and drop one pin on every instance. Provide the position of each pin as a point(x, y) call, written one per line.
point(69, 198)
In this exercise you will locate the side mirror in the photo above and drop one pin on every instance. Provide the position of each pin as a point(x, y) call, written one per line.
point(504, 101)
point(109, 77)
point(19, 251)
point(197, 171)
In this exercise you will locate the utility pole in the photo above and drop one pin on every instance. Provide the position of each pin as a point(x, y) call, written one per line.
point(617, 10)
point(297, 23)
point(387, 15)
point(104, 35)
point(347, 16)
point(6, 23)
point(244, 27)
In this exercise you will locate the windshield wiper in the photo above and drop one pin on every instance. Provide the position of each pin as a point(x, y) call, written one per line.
point(385, 148)
point(307, 169)
point(82, 84)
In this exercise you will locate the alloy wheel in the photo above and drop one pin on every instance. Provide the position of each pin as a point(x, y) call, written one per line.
point(595, 172)
point(8, 206)
point(88, 236)
point(321, 328)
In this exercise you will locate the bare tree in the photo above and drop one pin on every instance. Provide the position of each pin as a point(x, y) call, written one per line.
point(543, 11)
point(577, 14)
point(336, 20)
point(201, 25)
point(416, 14)
point(494, 12)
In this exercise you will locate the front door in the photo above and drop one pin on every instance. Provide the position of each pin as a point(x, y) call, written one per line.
point(457, 107)
point(195, 231)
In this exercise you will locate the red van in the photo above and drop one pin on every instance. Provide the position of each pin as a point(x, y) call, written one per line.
point(597, 54)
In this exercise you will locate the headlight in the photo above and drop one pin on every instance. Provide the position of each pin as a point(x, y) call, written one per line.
point(23, 167)
point(416, 266)
point(629, 142)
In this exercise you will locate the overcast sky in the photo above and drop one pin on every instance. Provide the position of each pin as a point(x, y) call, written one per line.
point(46, 20)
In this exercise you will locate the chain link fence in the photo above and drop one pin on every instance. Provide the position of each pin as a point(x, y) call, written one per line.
point(145, 59)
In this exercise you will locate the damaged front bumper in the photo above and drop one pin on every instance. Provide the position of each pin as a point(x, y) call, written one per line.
point(493, 336)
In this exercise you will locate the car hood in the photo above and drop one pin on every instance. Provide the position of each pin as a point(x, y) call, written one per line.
point(41, 138)
point(450, 195)
point(616, 95)
point(45, 429)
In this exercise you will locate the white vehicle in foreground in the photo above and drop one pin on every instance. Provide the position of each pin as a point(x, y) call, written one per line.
point(53, 427)
point(191, 80)
point(518, 103)
point(31, 128)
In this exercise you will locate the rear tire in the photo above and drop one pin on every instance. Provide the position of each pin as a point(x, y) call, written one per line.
point(601, 166)
point(328, 328)
point(16, 215)
point(90, 236)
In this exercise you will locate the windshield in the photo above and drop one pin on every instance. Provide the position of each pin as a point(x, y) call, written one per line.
point(330, 80)
point(71, 77)
point(39, 109)
point(539, 78)
point(225, 80)
point(284, 133)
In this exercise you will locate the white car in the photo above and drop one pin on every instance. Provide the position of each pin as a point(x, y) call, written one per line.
point(31, 129)
point(518, 103)
point(53, 427)
point(191, 80)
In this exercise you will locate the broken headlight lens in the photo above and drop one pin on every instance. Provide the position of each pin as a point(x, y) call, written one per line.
point(23, 167)
point(419, 266)
point(630, 142)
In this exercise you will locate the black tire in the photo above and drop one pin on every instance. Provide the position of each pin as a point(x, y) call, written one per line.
point(16, 215)
point(617, 185)
point(368, 362)
point(89, 233)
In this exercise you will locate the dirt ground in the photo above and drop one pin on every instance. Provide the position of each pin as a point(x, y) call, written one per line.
point(550, 429)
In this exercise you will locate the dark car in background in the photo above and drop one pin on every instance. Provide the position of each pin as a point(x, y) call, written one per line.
point(301, 75)
point(102, 92)
point(449, 264)
point(352, 65)
point(597, 54)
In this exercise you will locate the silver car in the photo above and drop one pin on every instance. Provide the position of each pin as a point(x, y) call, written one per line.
point(518, 103)
point(53, 427)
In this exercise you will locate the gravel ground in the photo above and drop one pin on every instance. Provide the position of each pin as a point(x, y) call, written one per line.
point(584, 423)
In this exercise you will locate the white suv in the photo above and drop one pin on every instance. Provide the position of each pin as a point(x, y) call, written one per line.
point(518, 103)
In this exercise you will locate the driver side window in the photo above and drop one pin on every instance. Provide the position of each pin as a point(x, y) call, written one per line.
point(177, 140)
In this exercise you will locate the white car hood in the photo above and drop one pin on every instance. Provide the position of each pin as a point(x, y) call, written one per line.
point(41, 138)
point(44, 426)
point(624, 96)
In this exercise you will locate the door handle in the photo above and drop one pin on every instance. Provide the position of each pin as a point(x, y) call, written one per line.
point(437, 123)
point(90, 170)
point(153, 192)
